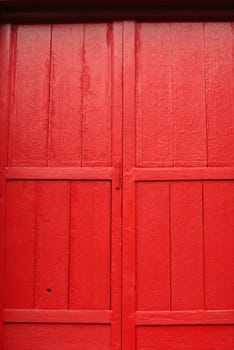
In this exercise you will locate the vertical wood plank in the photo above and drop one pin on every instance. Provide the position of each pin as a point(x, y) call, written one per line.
point(188, 94)
point(52, 245)
point(219, 244)
point(186, 246)
point(5, 72)
point(66, 95)
point(129, 154)
point(153, 246)
point(5, 65)
point(219, 66)
point(153, 94)
point(96, 130)
point(90, 245)
point(116, 203)
point(30, 97)
point(20, 244)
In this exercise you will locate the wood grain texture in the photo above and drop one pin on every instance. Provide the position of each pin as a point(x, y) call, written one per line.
point(153, 246)
point(52, 245)
point(5, 59)
point(56, 316)
point(171, 115)
point(20, 244)
point(96, 125)
point(176, 174)
point(188, 97)
point(66, 94)
point(90, 246)
point(219, 244)
point(185, 337)
point(219, 70)
point(153, 95)
point(186, 225)
point(117, 186)
point(52, 337)
point(188, 317)
point(120, 177)
point(129, 191)
point(59, 173)
point(30, 96)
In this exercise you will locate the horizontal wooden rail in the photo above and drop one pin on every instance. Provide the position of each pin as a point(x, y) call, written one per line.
point(180, 174)
point(58, 173)
point(56, 316)
point(197, 317)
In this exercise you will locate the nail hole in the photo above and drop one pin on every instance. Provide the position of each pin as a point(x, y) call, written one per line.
point(48, 290)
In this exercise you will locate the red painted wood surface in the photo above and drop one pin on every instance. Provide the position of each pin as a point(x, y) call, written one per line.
point(53, 336)
point(63, 220)
point(178, 137)
point(5, 59)
point(117, 175)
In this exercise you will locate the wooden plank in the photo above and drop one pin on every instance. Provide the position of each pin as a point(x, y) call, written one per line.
point(153, 246)
point(52, 245)
point(90, 245)
point(5, 76)
point(219, 93)
point(65, 139)
point(30, 96)
point(219, 244)
point(57, 336)
point(20, 244)
point(187, 289)
point(167, 174)
point(96, 126)
point(128, 221)
point(153, 95)
point(185, 337)
point(188, 317)
point(57, 316)
point(60, 173)
point(116, 199)
point(188, 97)
point(5, 64)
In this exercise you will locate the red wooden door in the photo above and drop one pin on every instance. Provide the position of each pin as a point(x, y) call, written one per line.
point(178, 197)
point(63, 206)
point(65, 199)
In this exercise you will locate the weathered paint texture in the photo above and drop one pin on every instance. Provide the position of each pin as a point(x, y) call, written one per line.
point(117, 186)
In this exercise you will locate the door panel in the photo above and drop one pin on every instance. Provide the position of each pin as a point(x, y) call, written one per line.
point(63, 202)
point(185, 337)
point(54, 336)
point(178, 203)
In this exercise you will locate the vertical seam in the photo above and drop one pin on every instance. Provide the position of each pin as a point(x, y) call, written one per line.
point(82, 98)
point(203, 247)
point(12, 77)
point(172, 145)
point(205, 89)
point(49, 95)
point(121, 214)
point(69, 248)
point(170, 246)
point(110, 70)
point(36, 184)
